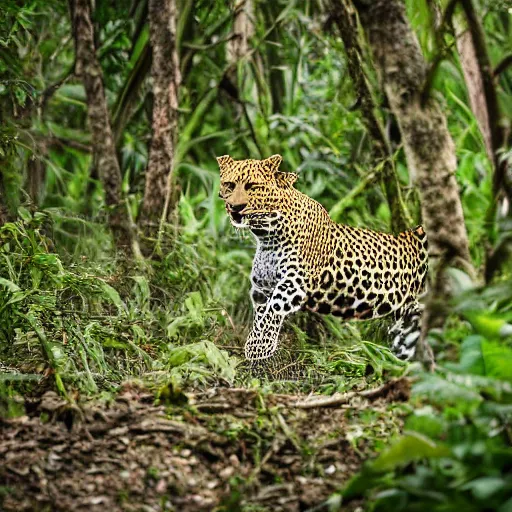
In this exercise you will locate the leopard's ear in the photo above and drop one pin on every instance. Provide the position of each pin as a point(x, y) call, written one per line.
point(273, 162)
point(286, 179)
point(224, 161)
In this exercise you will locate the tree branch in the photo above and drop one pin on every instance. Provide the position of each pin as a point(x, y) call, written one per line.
point(503, 65)
point(52, 89)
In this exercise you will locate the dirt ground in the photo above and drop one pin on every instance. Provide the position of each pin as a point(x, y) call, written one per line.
point(227, 449)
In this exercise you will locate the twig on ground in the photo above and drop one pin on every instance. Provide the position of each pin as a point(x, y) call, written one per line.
point(344, 398)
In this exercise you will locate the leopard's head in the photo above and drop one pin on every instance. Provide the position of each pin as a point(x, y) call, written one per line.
point(253, 188)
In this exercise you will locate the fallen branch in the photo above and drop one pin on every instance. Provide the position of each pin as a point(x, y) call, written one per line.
point(344, 398)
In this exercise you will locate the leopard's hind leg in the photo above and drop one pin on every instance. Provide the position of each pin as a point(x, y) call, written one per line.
point(406, 330)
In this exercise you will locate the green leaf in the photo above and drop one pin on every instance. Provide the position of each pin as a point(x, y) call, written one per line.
point(488, 324)
point(486, 358)
point(443, 392)
point(113, 295)
point(459, 281)
point(203, 352)
point(24, 214)
point(426, 422)
point(12, 287)
point(498, 360)
point(142, 289)
point(506, 507)
point(410, 447)
point(471, 357)
point(485, 487)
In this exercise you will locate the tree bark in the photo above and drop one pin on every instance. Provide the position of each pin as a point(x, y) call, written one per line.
point(344, 16)
point(36, 173)
point(165, 73)
point(481, 86)
point(483, 98)
point(104, 154)
point(4, 210)
point(274, 60)
point(243, 30)
point(429, 148)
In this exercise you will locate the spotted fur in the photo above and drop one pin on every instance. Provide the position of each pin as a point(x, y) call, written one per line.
point(305, 260)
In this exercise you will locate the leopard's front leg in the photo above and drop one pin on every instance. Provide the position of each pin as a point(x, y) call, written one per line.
point(287, 297)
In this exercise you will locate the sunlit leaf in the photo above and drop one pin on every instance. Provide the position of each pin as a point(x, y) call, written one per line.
point(410, 447)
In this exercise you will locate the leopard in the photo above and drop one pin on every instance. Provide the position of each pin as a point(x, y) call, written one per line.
point(305, 260)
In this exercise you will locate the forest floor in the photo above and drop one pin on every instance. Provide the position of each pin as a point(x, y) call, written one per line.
point(226, 449)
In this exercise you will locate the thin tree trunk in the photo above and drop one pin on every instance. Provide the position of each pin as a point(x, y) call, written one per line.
point(36, 172)
point(4, 210)
point(344, 16)
point(480, 81)
point(165, 72)
point(243, 30)
point(474, 84)
point(483, 97)
point(104, 153)
point(237, 48)
point(274, 59)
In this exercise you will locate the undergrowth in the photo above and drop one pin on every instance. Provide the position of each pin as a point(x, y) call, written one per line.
point(86, 322)
point(83, 323)
point(456, 449)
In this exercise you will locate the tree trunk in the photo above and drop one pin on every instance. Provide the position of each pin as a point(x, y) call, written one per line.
point(474, 85)
point(481, 86)
point(483, 98)
point(165, 73)
point(344, 16)
point(274, 60)
point(4, 210)
point(429, 148)
point(36, 173)
point(104, 153)
point(478, 75)
point(243, 30)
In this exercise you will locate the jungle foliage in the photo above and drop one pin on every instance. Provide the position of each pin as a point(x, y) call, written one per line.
point(80, 316)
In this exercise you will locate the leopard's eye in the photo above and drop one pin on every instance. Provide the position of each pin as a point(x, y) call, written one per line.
point(248, 186)
point(228, 186)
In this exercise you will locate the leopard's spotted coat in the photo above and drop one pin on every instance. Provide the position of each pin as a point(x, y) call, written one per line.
point(304, 259)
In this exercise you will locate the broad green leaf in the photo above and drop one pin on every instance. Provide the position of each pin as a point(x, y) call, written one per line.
point(443, 392)
point(12, 287)
point(471, 357)
point(483, 488)
point(506, 507)
point(488, 324)
point(426, 422)
point(24, 214)
point(410, 447)
point(460, 281)
point(112, 294)
point(498, 360)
